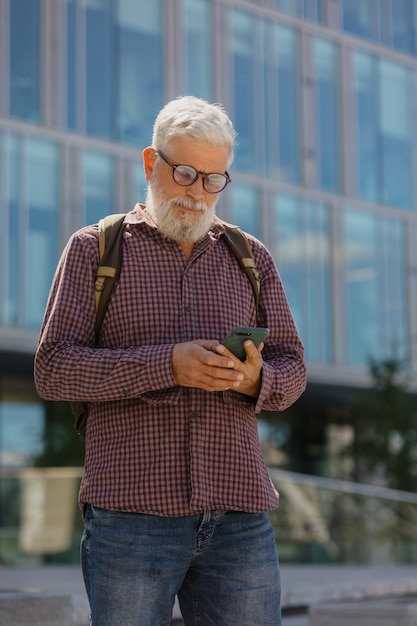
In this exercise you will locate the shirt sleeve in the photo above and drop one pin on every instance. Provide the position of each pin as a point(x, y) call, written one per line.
point(67, 364)
point(284, 370)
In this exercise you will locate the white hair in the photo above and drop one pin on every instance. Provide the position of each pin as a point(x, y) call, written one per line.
point(197, 119)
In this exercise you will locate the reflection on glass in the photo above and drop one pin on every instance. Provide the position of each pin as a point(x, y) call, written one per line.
point(245, 208)
point(384, 131)
point(281, 103)
point(327, 113)
point(13, 151)
point(43, 194)
point(98, 175)
point(404, 15)
point(288, 6)
point(32, 222)
point(243, 40)
point(302, 251)
point(137, 63)
point(375, 287)
point(114, 68)
point(331, 521)
point(390, 22)
point(396, 132)
point(367, 161)
point(21, 429)
point(24, 56)
point(99, 68)
point(197, 47)
point(140, 185)
point(72, 51)
point(358, 17)
point(313, 10)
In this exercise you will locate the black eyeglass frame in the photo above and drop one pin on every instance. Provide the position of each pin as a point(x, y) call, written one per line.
point(226, 176)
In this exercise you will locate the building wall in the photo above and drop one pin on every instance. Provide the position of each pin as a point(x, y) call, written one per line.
point(323, 95)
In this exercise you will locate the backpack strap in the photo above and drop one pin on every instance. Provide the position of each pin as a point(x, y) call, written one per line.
point(239, 245)
point(110, 249)
point(110, 253)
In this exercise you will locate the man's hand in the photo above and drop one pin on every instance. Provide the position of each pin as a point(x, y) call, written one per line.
point(251, 368)
point(210, 366)
point(197, 364)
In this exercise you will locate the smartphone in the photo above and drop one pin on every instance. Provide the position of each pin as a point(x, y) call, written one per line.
point(235, 339)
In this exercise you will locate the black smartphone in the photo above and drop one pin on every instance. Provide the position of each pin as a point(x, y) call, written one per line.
point(235, 339)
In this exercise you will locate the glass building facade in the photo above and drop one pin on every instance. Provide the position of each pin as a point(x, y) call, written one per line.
point(323, 96)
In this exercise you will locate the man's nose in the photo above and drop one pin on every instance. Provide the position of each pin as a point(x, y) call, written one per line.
point(196, 190)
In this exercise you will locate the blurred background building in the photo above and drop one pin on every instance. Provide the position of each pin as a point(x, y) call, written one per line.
point(323, 95)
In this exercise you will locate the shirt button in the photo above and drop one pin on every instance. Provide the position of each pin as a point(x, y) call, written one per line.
point(195, 414)
point(188, 308)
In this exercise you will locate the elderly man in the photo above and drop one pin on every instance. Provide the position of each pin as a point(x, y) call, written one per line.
point(175, 492)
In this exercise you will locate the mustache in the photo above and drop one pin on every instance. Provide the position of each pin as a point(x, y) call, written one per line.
point(189, 203)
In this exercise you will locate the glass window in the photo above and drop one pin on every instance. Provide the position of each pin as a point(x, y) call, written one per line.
point(288, 6)
point(367, 161)
point(99, 68)
point(310, 9)
point(395, 99)
point(3, 250)
point(301, 246)
point(25, 59)
point(314, 10)
point(140, 184)
point(384, 131)
point(359, 17)
point(43, 199)
point(32, 223)
point(115, 71)
point(72, 51)
point(98, 190)
point(412, 289)
point(14, 261)
point(403, 26)
point(243, 42)
point(197, 48)
point(21, 429)
point(139, 66)
point(327, 113)
point(245, 208)
point(375, 289)
point(281, 103)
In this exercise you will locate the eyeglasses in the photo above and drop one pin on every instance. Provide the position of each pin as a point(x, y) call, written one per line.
point(185, 175)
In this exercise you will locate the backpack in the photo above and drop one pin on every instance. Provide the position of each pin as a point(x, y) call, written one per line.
point(108, 271)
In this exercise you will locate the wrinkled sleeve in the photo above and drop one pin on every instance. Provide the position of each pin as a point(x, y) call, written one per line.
point(67, 365)
point(284, 370)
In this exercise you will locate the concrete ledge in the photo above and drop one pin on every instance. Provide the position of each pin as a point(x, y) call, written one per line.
point(35, 609)
point(401, 611)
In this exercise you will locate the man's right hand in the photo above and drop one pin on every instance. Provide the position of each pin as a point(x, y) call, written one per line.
point(196, 364)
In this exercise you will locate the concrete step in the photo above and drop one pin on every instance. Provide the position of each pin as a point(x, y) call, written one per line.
point(35, 609)
point(401, 611)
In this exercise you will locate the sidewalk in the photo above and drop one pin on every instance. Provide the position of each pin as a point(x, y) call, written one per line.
point(302, 586)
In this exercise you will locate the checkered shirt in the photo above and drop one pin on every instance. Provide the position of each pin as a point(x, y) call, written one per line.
point(152, 446)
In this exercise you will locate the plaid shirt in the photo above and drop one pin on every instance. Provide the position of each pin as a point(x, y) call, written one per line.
point(152, 446)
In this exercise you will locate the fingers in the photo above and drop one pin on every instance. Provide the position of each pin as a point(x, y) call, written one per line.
point(251, 368)
point(253, 353)
point(196, 364)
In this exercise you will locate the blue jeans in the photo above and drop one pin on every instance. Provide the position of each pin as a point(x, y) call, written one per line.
point(223, 566)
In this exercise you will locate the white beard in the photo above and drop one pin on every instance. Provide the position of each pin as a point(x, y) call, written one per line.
point(161, 211)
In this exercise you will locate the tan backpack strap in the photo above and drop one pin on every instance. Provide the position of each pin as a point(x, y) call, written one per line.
point(238, 243)
point(110, 230)
point(102, 237)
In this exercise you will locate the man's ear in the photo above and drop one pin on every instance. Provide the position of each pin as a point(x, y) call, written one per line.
point(149, 156)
